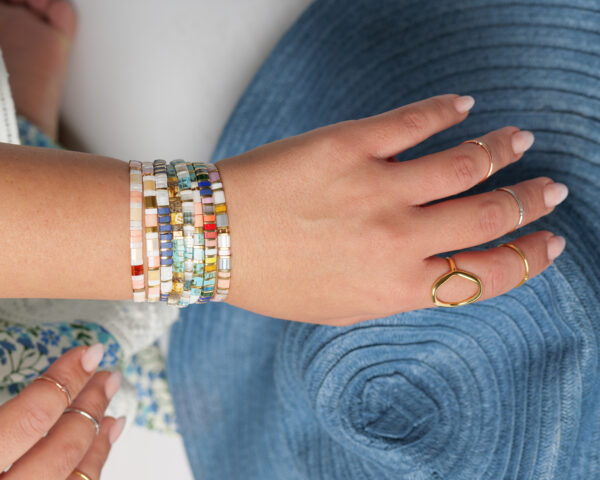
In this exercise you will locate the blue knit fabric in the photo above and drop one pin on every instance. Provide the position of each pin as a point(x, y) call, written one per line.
point(506, 388)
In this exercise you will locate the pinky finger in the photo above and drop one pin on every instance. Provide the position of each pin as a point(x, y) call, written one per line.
point(92, 463)
point(499, 269)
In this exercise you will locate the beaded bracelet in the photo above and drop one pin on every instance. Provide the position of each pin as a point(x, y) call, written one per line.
point(151, 227)
point(210, 234)
point(223, 236)
point(135, 231)
point(198, 257)
point(177, 235)
point(187, 208)
point(164, 229)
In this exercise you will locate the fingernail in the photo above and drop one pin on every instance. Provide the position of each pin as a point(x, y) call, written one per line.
point(554, 193)
point(116, 430)
point(112, 384)
point(522, 140)
point(556, 245)
point(92, 357)
point(464, 103)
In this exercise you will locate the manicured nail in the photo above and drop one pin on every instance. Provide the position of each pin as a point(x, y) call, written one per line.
point(554, 193)
point(112, 384)
point(522, 140)
point(92, 357)
point(116, 430)
point(464, 103)
point(556, 245)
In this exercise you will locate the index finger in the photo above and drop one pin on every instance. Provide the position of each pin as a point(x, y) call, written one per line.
point(27, 417)
point(389, 133)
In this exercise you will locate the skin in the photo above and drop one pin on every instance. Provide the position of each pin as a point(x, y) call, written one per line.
point(71, 442)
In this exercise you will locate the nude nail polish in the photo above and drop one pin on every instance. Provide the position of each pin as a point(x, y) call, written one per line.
point(116, 430)
point(522, 141)
point(555, 193)
point(92, 357)
point(556, 245)
point(464, 103)
point(112, 384)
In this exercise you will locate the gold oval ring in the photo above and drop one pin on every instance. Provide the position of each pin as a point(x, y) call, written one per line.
point(487, 149)
point(447, 276)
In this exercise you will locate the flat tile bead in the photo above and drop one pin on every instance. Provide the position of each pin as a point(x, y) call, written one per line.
point(222, 220)
point(219, 196)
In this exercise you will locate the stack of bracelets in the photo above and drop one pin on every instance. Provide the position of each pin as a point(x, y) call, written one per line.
point(186, 232)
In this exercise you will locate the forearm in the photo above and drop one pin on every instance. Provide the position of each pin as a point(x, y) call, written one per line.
point(65, 225)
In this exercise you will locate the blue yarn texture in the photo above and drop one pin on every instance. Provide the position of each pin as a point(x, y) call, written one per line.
point(506, 388)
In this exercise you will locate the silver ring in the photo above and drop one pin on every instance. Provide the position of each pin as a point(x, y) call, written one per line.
point(521, 210)
point(86, 415)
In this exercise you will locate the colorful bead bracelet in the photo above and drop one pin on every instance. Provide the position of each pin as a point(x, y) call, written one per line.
point(223, 238)
point(151, 228)
point(188, 246)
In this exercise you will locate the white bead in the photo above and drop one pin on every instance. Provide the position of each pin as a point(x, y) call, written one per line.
point(224, 240)
point(219, 196)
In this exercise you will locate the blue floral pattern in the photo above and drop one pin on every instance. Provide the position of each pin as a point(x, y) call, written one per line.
point(26, 351)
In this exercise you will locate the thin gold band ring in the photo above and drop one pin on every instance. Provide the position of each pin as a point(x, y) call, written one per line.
point(62, 388)
point(81, 475)
point(489, 152)
point(522, 255)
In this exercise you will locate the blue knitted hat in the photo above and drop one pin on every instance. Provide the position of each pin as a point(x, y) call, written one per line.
point(506, 388)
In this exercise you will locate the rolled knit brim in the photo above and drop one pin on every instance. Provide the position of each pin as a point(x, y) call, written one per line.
point(505, 388)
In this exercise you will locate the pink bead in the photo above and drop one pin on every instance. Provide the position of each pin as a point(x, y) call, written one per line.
point(153, 262)
point(213, 176)
point(223, 283)
point(210, 243)
point(199, 222)
point(138, 283)
point(151, 220)
point(135, 196)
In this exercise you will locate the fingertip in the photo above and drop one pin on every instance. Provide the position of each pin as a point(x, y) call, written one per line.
point(464, 103)
point(117, 429)
point(92, 357)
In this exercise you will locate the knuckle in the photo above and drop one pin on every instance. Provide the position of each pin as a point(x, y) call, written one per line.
point(415, 121)
point(36, 419)
point(465, 169)
point(492, 218)
point(72, 451)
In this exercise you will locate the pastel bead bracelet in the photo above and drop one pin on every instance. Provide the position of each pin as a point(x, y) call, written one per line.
point(135, 231)
point(188, 246)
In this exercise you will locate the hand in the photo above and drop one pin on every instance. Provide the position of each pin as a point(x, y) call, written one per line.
point(326, 229)
point(71, 442)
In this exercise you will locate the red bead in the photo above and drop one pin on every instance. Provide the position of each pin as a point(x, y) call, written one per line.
point(210, 226)
point(137, 270)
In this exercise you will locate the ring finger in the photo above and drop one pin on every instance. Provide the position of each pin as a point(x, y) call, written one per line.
point(58, 453)
point(480, 218)
point(499, 269)
point(92, 463)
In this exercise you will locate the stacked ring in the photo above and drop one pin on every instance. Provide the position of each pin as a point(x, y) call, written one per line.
point(177, 236)
point(525, 262)
point(210, 234)
point(135, 228)
point(62, 388)
point(223, 236)
point(151, 227)
point(86, 415)
point(487, 149)
point(164, 229)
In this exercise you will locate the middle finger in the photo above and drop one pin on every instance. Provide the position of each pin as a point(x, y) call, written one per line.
point(57, 454)
point(443, 174)
point(469, 221)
